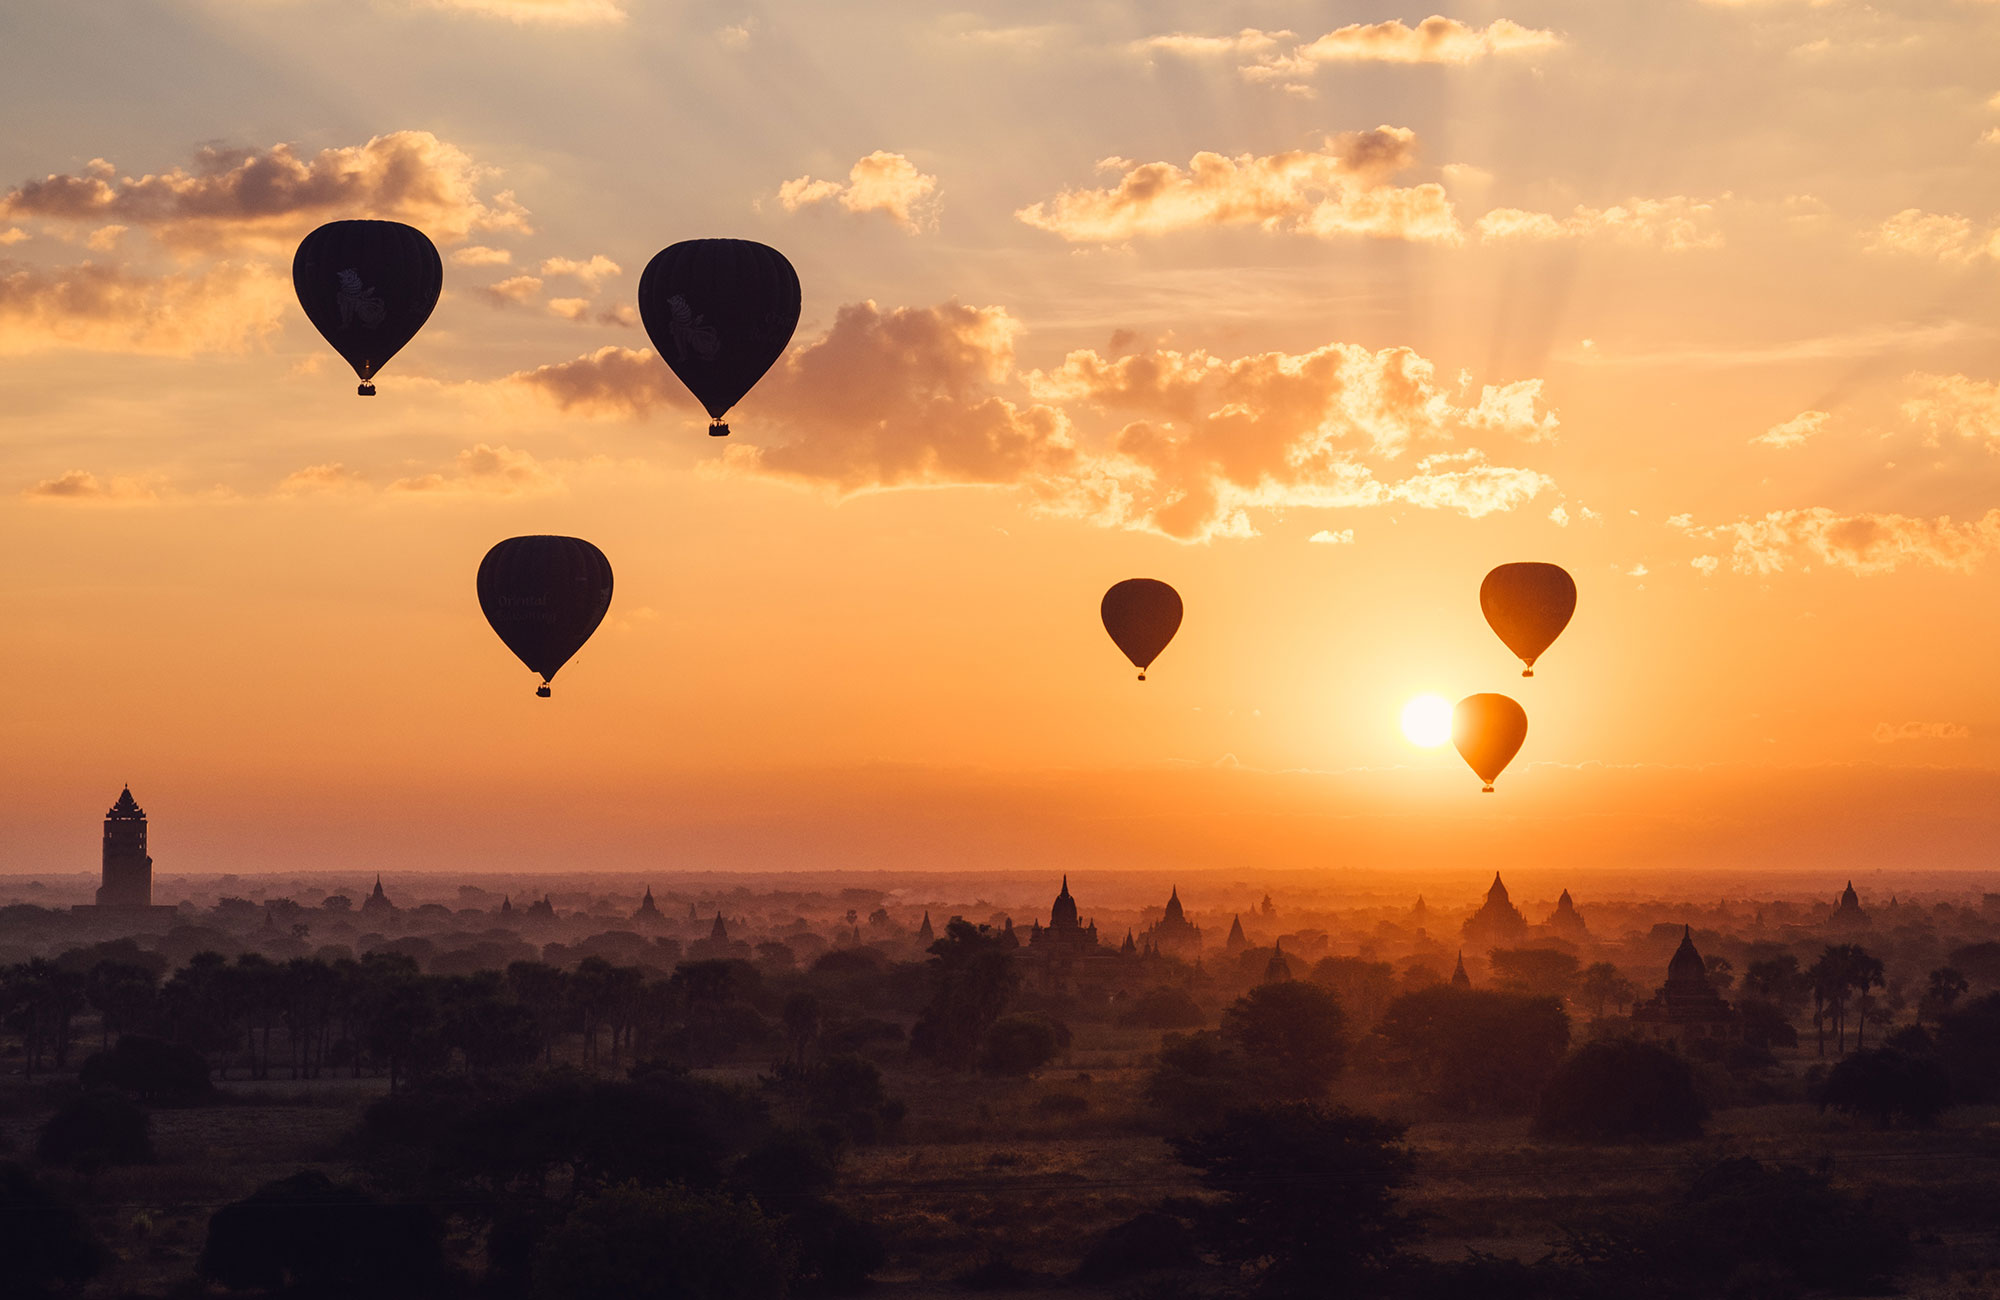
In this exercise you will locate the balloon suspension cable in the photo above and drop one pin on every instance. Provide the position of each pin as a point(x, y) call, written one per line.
point(542, 693)
point(365, 390)
point(717, 429)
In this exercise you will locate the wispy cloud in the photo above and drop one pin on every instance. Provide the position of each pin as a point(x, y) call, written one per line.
point(1793, 432)
point(882, 182)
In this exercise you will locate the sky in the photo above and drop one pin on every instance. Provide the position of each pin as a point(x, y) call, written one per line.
point(1316, 311)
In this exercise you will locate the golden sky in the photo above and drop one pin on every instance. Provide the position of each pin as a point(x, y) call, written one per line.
point(1317, 312)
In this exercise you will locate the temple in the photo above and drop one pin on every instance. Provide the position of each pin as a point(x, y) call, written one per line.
point(649, 911)
point(1687, 1005)
point(1566, 920)
point(128, 871)
point(1848, 913)
point(377, 903)
point(1173, 934)
point(1498, 920)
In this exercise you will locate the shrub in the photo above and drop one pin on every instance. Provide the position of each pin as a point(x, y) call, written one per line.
point(1291, 1036)
point(1475, 1050)
point(1196, 1079)
point(834, 1251)
point(45, 1244)
point(311, 1234)
point(1144, 1243)
point(662, 1244)
point(151, 1069)
point(1884, 1083)
point(1969, 1046)
point(95, 1130)
point(1021, 1045)
point(1621, 1089)
point(1163, 1008)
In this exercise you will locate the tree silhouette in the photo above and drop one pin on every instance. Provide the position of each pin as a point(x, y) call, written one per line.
point(322, 1239)
point(1306, 1197)
point(1942, 990)
point(1885, 1083)
point(1544, 972)
point(1600, 984)
point(1291, 1035)
point(972, 979)
point(1474, 1050)
point(641, 1243)
point(93, 1131)
point(1022, 1044)
point(46, 1246)
point(1620, 1090)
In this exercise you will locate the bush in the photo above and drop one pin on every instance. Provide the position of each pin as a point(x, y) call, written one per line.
point(846, 1092)
point(320, 1238)
point(662, 1244)
point(1291, 1036)
point(833, 1250)
point(1475, 1051)
point(1969, 1046)
point(93, 1131)
point(151, 1069)
point(45, 1244)
point(1622, 1089)
point(1195, 1080)
point(1142, 1244)
point(1884, 1083)
point(1163, 1008)
point(1021, 1045)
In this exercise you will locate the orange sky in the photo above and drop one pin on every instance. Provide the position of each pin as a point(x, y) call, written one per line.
point(1317, 322)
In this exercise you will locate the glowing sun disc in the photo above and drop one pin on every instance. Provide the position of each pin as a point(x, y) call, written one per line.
point(1427, 721)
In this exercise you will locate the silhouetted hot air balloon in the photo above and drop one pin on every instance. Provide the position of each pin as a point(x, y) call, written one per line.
point(1488, 730)
point(368, 287)
point(1142, 615)
point(719, 312)
point(544, 596)
point(1528, 605)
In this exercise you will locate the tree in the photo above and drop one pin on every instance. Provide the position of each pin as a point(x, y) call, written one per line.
point(47, 1245)
point(150, 1069)
point(1942, 990)
point(1475, 1050)
point(125, 996)
point(39, 1001)
point(1886, 1083)
point(1164, 1007)
point(1306, 1198)
point(972, 979)
point(1291, 1036)
point(1196, 1079)
point(1544, 972)
point(802, 1023)
point(663, 1244)
point(846, 1093)
point(323, 1239)
point(1969, 1045)
point(1365, 988)
point(93, 1131)
point(1765, 1025)
point(1842, 972)
point(1779, 981)
point(1600, 985)
point(1022, 1044)
point(1620, 1090)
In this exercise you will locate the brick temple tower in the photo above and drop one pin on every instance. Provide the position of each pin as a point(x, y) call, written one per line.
point(128, 872)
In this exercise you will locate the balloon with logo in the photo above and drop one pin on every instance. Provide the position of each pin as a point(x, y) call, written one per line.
point(367, 287)
point(544, 596)
point(1142, 615)
point(719, 312)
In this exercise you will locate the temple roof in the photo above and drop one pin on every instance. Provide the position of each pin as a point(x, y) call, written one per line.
point(1687, 969)
point(1063, 914)
point(1174, 906)
point(125, 809)
point(1498, 892)
point(1459, 979)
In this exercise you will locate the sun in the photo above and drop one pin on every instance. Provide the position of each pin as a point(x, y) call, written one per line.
point(1427, 721)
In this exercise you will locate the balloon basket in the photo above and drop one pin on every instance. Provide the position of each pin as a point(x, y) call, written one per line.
point(1527, 672)
point(1486, 789)
point(542, 693)
point(1142, 677)
point(717, 429)
point(365, 390)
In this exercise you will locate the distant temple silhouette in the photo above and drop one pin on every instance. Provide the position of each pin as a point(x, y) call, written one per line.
point(1498, 921)
point(377, 903)
point(128, 869)
point(1459, 979)
point(1173, 934)
point(1566, 920)
point(1687, 1005)
point(1848, 914)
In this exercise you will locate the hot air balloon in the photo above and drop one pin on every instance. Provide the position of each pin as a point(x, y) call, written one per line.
point(544, 596)
point(1528, 605)
point(1142, 615)
point(368, 287)
point(719, 312)
point(1488, 730)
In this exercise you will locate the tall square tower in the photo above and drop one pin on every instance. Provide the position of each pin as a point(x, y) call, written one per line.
point(128, 872)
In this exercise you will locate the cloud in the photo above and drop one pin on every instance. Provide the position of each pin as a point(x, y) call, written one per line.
point(1341, 189)
point(480, 255)
point(314, 479)
point(13, 235)
point(1706, 565)
point(555, 13)
point(1793, 432)
point(1889, 733)
point(1189, 45)
point(1941, 237)
point(514, 291)
point(1185, 443)
point(1677, 224)
point(488, 471)
point(882, 182)
point(227, 308)
point(1955, 404)
point(81, 487)
point(1559, 516)
point(592, 272)
point(1326, 536)
point(230, 195)
point(576, 309)
point(1862, 544)
point(1282, 57)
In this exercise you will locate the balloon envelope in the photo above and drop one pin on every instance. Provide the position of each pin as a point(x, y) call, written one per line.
point(1528, 605)
point(544, 596)
point(367, 287)
point(719, 312)
point(1488, 730)
point(1142, 615)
